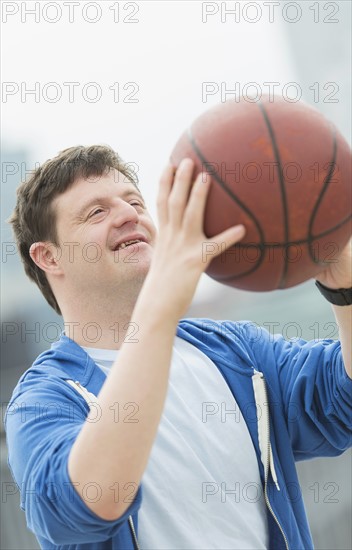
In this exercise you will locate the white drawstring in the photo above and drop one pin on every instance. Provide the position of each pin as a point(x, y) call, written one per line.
point(262, 406)
point(88, 396)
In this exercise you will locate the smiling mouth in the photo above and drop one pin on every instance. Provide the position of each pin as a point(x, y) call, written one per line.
point(127, 244)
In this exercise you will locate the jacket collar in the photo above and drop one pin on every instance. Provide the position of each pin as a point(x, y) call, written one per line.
point(67, 359)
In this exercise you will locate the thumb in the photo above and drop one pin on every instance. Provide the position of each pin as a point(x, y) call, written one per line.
point(221, 242)
point(230, 236)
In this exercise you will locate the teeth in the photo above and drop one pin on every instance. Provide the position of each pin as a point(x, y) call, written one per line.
point(127, 243)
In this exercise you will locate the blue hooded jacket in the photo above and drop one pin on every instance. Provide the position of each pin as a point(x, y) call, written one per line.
point(309, 397)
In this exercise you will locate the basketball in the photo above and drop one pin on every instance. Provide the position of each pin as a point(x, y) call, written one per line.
point(284, 172)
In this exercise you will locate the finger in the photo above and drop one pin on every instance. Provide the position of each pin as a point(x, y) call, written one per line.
point(224, 240)
point(230, 236)
point(194, 214)
point(165, 186)
point(180, 191)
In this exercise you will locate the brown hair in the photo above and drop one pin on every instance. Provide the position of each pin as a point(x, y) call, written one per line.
point(34, 218)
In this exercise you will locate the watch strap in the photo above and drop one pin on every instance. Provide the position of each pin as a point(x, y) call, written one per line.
point(336, 296)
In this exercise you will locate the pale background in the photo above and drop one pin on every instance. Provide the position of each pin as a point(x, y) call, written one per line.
point(170, 50)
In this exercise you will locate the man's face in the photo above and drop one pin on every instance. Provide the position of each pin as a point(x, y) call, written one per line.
point(95, 220)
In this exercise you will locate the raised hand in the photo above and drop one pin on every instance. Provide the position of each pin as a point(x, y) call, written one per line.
point(179, 258)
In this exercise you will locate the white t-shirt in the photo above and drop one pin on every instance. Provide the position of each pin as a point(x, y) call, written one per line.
point(201, 487)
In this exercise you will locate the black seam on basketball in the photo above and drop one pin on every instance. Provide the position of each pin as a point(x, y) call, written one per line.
point(299, 241)
point(232, 196)
point(275, 147)
point(282, 245)
point(326, 184)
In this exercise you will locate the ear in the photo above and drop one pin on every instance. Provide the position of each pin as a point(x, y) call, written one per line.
point(46, 255)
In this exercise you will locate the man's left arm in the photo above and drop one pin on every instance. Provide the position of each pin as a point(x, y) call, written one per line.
point(339, 276)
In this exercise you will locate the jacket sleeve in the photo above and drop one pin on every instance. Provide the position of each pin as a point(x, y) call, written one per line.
point(315, 392)
point(42, 422)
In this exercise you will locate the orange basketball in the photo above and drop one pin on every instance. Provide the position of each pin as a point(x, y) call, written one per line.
point(283, 171)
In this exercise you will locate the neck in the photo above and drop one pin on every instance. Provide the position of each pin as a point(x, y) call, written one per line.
point(101, 326)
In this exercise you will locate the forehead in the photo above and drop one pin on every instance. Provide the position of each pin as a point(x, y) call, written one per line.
point(113, 184)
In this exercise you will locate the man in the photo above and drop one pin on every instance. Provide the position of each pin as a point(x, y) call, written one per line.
point(148, 458)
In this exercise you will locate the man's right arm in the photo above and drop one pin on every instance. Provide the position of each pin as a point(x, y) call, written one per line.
point(107, 452)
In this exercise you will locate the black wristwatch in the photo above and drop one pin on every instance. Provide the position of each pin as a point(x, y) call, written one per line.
point(336, 296)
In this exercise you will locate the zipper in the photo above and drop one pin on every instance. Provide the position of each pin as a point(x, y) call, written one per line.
point(135, 541)
point(267, 464)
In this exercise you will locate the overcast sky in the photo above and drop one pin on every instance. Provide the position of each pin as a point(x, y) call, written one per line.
point(135, 74)
point(162, 59)
point(148, 64)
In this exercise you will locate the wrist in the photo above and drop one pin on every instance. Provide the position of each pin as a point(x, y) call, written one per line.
point(156, 303)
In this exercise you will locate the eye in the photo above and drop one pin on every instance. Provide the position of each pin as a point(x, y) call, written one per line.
point(97, 211)
point(137, 203)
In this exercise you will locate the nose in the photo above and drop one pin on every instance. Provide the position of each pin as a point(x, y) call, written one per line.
point(124, 213)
